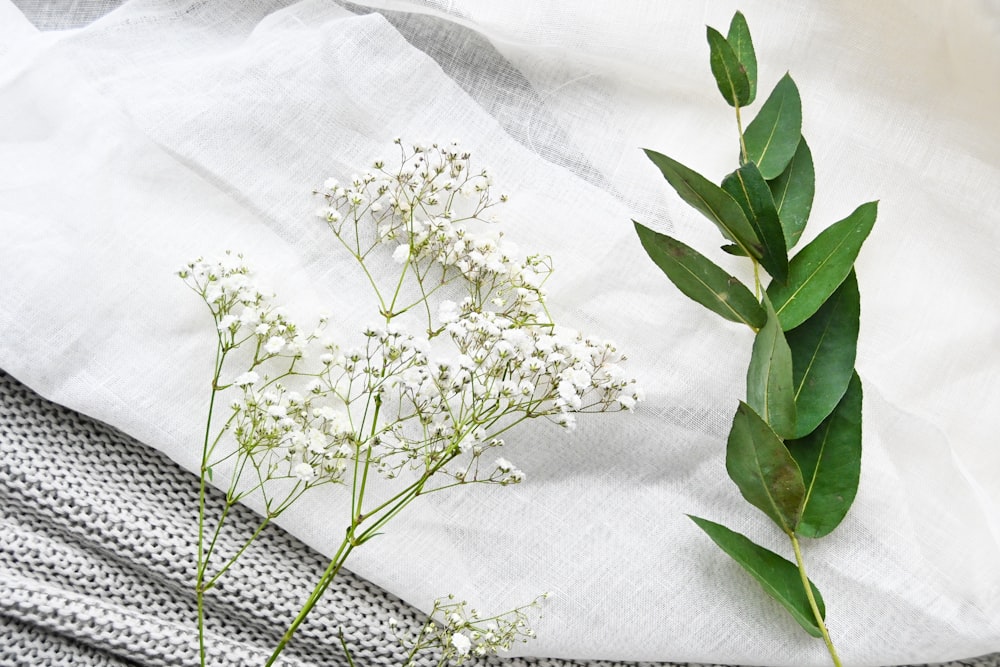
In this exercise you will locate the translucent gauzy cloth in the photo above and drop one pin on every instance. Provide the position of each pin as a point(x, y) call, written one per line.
point(173, 129)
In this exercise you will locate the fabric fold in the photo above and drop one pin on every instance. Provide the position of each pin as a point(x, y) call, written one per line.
point(172, 129)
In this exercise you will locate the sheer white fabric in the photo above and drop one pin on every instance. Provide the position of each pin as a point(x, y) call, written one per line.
point(172, 128)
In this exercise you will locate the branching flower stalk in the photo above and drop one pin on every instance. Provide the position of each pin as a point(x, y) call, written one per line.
point(794, 449)
point(424, 410)
point(464, 633)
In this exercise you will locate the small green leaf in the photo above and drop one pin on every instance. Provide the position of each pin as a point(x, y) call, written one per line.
point(793, 192)
point(830, 459)
point(712, 201)
point(751, 192)
point(766, 474)
point(820, 267)
point(739, 39)
point(700, 279)
point(779, 577)
point(773, 135)
point(770, 391)
point(208, 474)
point(730, 76)
point(733, 249)
point(823, 351)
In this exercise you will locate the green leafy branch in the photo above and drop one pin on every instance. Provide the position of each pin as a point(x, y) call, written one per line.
point(794, 448)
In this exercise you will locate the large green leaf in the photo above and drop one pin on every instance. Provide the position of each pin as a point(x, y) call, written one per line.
point(766, 474)
point(739, 39)
point(819, 268)
point(773, 135)
point(793, 192)
point(770, 391)
point(779, 577)
point(830, 459)
point(730, 76)
point(823, 351)
point(697, 277)
point(751, 192)
point(712, 201)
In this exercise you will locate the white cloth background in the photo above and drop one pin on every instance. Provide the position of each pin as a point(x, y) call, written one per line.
point(171, 129)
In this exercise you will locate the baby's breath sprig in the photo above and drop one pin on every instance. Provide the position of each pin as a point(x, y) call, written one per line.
point(424, 410)
point(456, 632)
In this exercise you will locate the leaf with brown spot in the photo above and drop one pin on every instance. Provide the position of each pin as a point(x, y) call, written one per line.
point(702, 280)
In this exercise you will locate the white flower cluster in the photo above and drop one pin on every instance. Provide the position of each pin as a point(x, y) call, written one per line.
point(432, 209)
point(503, 373)
point(309, 411)
point(242, 312)
point(538, 371)
point(458, 633)
point(283, 433)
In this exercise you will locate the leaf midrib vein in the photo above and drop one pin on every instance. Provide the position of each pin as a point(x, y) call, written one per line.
point(774, 128)
point(715, 294)
point(819, 266)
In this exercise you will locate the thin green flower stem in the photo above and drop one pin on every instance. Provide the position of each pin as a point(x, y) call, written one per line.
point(389, 502)
point(331, 571)
point(416, 646)
point(405, 497)
point(297, 491)
point(349, 543)
point(491, 424)
point(427, 492)
point(202, 490)
point(399, 283)
point(415, 491)
point(218, 438)
point(246, 545)
point(812, 600)
point(359, 498)
point(355, 509)
point(347, 652)
point(241, 464)
point(424, 294)
point(743, 144)
point(201, 627)
point(360, 260)
point(203, 567)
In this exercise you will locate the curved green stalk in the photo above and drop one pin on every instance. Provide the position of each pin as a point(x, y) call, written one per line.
point(352, 540)
point(347, 652)
point(331, 571)
point(232, 561)
point(202, 491)
point(812, 600)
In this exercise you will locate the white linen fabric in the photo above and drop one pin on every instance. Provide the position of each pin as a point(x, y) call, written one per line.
point(170, 129)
